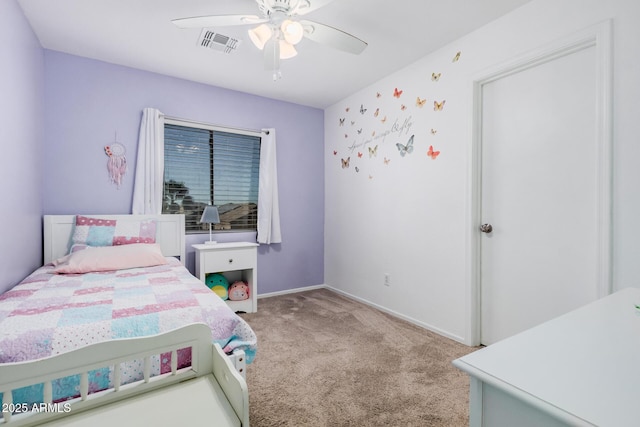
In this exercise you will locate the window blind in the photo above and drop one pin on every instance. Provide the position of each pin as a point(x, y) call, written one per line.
point(207, 166)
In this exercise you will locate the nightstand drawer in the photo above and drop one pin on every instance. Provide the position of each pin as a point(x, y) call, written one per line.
point(235, 259)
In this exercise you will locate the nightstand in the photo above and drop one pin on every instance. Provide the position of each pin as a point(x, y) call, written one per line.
point(235, 261)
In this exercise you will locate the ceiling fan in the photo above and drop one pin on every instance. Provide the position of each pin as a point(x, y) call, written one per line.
point(280, 29)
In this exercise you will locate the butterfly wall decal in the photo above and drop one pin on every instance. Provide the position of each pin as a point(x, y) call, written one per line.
point(384, 119)
point(407, 148)
point(345, 162)
point(386, 161)
point(359, 154)
point(375, 113)
point(373, 152)
point(420, 102)
point(397, 93)
point(347, 109)
point(432, 154)
point(362, 109)
point(359, 131)
point(438, 106)
point(403, 107)
point(435, 76)
point(457, 57)
point(357, 169)
point(335, 152)
point(378, 94)
point(341, 122)
point(433, 131)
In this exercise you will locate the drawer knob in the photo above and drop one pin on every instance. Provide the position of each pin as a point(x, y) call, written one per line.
point(230, 260)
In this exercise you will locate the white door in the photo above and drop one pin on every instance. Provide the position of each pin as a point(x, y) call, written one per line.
point(539, 192)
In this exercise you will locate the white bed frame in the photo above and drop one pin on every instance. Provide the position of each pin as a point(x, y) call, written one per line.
point(170, 235)
point(210, 392)
point(59, 228)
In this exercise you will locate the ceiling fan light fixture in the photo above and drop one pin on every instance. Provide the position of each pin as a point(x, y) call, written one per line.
point(280, 30)
point(287, 50)
point(292, 31)
point(260, 35)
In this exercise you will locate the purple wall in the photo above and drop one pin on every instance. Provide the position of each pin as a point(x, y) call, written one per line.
point(88, 102)
point(21, 131)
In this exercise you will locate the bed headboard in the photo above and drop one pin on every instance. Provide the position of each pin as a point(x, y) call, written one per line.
point(169, 233)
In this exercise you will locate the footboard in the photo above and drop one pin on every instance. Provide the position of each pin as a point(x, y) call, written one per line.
point(209, 368)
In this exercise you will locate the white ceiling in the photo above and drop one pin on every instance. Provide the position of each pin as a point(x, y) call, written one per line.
point(139, 34)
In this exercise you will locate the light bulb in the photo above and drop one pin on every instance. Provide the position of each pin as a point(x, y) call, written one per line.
point(292, 31)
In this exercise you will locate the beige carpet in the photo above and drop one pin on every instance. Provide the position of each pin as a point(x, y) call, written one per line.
point(326, 360)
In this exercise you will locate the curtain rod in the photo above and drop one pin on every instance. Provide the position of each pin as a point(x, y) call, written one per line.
point(194, 122)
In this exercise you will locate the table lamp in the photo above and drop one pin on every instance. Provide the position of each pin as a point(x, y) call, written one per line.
point(210, 216)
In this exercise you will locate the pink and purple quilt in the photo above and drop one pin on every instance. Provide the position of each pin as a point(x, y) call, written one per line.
point(48, 314)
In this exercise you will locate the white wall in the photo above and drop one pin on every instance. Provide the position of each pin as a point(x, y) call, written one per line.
point(408, 217)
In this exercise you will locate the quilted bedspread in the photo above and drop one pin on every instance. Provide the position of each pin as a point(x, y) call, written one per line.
point(48, 314)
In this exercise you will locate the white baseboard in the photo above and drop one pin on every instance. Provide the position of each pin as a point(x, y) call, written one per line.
point(400, 316)
point(371, 304)
point(292, 291)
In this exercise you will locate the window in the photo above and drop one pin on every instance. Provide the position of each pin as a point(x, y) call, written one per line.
point(207, 165)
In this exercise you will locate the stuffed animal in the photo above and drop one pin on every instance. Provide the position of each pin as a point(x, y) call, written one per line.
point(218, 284)
point(239, 291)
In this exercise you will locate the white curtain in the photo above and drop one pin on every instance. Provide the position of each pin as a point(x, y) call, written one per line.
point(148, 184)
point(268, 207)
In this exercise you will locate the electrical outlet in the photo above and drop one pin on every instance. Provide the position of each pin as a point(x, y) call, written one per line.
point(387, 279)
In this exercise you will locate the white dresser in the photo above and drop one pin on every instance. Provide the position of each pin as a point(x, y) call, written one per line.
point(235, 261)
point(580, 369)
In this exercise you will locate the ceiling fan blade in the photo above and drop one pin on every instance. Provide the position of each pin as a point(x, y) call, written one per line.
point(310, 5)
point(217, 21)
point(333, 37)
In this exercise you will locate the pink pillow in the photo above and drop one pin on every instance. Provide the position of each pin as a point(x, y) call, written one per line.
point(108, 258)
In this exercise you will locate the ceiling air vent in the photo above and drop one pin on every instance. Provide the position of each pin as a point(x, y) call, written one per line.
point(216, 41)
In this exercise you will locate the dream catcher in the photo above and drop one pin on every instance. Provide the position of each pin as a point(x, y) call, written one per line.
point(117, 163)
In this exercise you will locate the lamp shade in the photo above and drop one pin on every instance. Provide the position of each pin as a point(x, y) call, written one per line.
point(210, 215)
point(260, 35)
point(292, 31)
point(287, 50)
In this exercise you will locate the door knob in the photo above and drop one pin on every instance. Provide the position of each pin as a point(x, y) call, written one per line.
point(486, 228)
